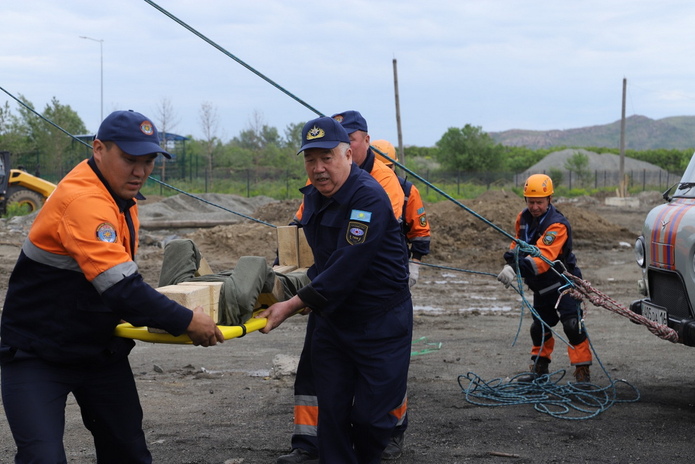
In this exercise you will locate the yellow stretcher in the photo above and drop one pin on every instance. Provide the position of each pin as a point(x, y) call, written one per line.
point(126, 330)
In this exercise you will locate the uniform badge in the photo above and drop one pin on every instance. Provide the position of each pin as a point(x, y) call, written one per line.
point(356, 233)
point(106, 232)
point(549, 238)
point(315, 133)
point(147, 128)
point(423, 220)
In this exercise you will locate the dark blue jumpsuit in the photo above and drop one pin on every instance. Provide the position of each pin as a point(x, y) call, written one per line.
point(360, 329)
point(74, 280)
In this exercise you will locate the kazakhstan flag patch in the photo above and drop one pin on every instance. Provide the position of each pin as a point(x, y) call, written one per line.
point(363, 216)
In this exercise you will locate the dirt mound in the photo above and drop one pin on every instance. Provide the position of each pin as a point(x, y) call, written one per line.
point(459, 238)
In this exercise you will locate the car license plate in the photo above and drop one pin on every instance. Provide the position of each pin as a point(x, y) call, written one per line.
point(654, 313)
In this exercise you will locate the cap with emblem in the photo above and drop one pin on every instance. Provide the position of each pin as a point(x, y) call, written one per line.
point(323, 132)
point(132, 132)
point(352, 121)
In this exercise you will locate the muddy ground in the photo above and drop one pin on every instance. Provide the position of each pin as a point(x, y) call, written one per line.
point(233, 403)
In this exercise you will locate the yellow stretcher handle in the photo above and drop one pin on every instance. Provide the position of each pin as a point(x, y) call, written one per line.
point(127, 330)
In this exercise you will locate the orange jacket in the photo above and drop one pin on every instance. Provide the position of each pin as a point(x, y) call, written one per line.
point(415, 224)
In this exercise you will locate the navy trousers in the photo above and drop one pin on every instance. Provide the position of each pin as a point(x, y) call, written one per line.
point(34, 395)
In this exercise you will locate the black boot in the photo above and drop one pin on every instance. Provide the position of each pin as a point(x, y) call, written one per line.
point(537, 369)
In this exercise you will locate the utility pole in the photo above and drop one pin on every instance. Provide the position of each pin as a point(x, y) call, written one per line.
point(401, 151)
point(101, 55)
point(623, 183)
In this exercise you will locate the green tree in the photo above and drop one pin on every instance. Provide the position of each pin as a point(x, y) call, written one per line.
point(469, 149)
point(579, 164)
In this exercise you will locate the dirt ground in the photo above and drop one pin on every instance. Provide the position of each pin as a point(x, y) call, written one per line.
point(232, 403)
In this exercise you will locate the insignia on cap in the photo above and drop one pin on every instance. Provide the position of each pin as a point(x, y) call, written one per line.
point(338, 117)
point(146, 128)
point(106, 232)
point(315, 133)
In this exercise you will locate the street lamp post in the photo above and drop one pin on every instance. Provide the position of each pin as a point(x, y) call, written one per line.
point(101, 55)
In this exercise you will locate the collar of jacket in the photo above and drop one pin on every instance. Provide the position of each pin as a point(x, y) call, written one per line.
point(368, 163)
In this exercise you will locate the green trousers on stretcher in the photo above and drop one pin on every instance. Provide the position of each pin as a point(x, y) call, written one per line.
point(241, 285)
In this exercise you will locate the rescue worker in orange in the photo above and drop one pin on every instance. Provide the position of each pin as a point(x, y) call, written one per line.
point(542, 225)
point(415, 224)
point(304, 438)
point(75, 279)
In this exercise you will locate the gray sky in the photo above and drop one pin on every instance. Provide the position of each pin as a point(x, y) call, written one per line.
point(506, 64)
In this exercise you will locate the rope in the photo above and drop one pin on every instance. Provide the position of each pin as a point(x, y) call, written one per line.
point(571, 401)
point(218, 47)
point(213, 204)
point(583, 289)
point(150, 177)
point(530, 249)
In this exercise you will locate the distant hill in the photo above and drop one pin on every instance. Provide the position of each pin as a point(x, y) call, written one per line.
point(641, 133)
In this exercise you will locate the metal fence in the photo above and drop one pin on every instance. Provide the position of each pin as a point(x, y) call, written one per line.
point(279, 182)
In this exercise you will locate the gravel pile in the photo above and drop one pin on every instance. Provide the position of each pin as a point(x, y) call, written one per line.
point(186, 211)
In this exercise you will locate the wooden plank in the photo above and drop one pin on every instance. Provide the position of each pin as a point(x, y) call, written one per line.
point(214, 288)
point(189, 296)
point(306, 257)
point(288, 246)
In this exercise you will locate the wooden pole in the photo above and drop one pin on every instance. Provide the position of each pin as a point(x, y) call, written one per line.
point(623, 188)
point(401, 152)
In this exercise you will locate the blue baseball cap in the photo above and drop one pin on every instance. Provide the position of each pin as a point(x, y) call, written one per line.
point(132, 132)
point(352, 121)
point(323, 132)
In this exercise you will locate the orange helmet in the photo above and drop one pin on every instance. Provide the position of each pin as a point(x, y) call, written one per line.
point(538, 186)
point(386, 147)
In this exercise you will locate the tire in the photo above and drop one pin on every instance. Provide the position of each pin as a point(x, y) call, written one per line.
point(24, 196)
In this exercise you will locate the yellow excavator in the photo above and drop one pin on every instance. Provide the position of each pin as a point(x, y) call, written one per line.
point(18, 186)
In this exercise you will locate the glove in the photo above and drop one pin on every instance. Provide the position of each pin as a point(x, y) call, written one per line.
point(414, 273)
point(507, 276)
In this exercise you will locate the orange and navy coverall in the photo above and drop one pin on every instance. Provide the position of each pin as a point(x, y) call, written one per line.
point(305, 400)
point(74, 281)
point(552, 234)
point(415, 224)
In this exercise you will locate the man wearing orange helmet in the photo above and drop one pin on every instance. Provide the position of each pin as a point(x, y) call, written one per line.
point(542, 225)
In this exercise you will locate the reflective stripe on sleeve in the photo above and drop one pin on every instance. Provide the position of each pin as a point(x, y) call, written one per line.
point(112, 276)
point(49, 259)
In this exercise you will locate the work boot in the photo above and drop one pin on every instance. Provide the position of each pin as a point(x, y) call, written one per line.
point(582, 374)
point(298, 455)
point(536, 370)
point(395, 447)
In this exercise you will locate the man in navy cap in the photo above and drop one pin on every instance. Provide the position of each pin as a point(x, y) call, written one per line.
point(74, 281)
point(304, 439)
point(360, 326)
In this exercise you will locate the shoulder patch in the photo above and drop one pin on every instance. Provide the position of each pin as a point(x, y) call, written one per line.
point(106, 232)
point(423, 220)
point(357, 215)
point(549, 238)
point(356, 233)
